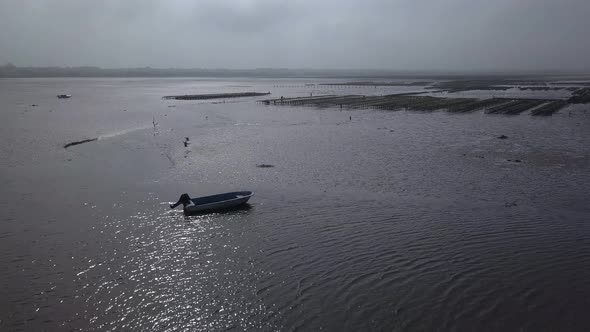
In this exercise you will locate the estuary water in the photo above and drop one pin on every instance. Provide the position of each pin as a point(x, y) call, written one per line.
point(369, 220)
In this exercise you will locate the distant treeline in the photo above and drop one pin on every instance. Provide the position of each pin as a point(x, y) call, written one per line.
point(10, 70)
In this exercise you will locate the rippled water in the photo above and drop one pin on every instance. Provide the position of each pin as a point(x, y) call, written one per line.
point(381, 221)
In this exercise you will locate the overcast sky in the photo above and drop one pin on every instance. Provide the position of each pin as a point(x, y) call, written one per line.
point(346, 34)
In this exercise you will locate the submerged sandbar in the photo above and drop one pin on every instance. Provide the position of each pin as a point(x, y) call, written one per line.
point(217, 95)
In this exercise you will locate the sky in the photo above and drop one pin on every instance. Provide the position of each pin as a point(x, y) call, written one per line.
point(453, 35)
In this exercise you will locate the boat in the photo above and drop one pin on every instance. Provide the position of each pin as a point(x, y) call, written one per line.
point(64, 96)
point(219, 202)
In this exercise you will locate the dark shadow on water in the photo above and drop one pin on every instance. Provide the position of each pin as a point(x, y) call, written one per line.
point(246, 207)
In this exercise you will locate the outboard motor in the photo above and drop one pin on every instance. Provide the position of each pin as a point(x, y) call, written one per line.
point(184, 199)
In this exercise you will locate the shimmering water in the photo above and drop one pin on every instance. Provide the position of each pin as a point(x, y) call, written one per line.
point(381, 221)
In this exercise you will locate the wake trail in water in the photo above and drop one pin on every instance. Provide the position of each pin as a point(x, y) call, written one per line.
point(105, 136)
point(122, 132)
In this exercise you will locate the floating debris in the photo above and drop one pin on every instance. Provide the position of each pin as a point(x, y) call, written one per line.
point(80, 142)
point(217, 95)
point(265, 166)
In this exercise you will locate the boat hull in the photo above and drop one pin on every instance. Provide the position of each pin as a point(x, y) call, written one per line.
point(219, 202)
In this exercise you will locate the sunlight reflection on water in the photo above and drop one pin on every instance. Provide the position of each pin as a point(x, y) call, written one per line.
point(369, 220)
point(175, 272)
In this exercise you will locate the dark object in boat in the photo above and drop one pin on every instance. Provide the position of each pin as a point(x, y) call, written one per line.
point(211, 203)
point(64, 96)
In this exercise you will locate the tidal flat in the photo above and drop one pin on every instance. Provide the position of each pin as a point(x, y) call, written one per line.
point(426, 214)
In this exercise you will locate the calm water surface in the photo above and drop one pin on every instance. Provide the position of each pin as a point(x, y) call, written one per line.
point(369, 220)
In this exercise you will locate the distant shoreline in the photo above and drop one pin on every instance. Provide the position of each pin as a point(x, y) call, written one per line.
point(11, 71)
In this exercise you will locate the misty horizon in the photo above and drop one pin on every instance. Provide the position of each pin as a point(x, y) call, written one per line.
point(10, 70)
point(430, 36)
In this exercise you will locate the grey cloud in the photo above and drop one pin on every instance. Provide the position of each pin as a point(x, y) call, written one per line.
point(396, 34)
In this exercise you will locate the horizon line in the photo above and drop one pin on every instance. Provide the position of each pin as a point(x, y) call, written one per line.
point(30, 71)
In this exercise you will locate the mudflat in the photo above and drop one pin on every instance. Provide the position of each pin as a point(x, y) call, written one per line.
point(377, 219)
